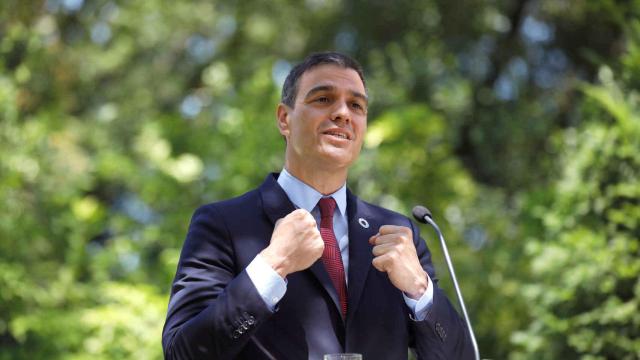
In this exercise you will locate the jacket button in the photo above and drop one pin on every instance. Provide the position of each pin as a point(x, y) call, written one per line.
point(439, 331)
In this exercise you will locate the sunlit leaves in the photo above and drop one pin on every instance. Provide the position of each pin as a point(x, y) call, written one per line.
point(586, 267)
point(117, 119)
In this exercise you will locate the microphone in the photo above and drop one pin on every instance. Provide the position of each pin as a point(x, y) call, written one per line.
point(423, 215)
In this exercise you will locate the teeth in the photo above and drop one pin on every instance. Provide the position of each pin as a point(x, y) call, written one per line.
point(338, 135)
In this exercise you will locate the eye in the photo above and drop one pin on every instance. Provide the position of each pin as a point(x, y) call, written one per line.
point(322, 99)
point(358, 106)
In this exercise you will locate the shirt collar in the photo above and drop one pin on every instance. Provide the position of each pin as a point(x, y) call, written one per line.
point(306, 197)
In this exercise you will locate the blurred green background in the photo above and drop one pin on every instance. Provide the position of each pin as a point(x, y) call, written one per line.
point(516, 122)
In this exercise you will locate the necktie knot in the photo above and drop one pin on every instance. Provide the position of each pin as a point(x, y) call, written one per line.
point(327, 207)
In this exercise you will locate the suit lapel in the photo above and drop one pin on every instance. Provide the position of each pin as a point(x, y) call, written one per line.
point(275, 202)
point(362, 225)
point(277, 205)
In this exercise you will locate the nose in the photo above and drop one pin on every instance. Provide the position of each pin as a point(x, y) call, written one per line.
point(341, 112)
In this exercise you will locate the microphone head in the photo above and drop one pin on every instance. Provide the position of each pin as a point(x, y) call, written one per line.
point(419, 212)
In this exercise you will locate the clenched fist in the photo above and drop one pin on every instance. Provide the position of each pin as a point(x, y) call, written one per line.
point(395, 254)
point(295, 243)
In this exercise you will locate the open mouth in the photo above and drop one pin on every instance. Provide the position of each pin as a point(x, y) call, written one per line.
point(337, 134)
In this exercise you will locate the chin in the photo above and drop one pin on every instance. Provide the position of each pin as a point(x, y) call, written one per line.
point(338, 157)
point(340, 161)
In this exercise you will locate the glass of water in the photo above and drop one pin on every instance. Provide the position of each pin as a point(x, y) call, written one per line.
point(343, 357)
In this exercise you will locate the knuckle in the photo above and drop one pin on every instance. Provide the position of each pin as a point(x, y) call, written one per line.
point(382, 263)
point(299, 213)
point(314, 234)
point(310, 221)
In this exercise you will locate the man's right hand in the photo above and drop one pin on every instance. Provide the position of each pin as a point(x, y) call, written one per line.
point(295, 243)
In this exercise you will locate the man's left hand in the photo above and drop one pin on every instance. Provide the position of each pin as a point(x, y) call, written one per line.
point(395, 254)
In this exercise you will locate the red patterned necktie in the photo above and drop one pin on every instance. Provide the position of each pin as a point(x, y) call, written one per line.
point(331, 256)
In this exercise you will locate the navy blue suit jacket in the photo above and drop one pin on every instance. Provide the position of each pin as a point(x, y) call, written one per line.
point(215, 312)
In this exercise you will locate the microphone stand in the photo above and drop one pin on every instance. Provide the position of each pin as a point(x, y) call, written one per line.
point(423, 215)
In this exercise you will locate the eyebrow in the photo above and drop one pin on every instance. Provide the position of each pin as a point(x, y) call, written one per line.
point(321, 88)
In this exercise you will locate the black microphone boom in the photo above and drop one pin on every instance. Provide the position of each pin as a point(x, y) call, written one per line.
point(423, 215)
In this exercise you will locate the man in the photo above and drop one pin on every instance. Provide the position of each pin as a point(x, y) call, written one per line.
point(301, 267)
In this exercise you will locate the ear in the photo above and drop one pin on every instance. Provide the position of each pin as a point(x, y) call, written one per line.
point(282, 116)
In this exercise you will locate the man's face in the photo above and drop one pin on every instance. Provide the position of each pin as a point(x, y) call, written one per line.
point(326, 127)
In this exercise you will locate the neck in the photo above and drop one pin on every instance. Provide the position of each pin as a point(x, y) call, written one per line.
point(324, 181)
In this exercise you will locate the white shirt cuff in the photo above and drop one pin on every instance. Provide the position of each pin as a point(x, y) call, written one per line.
point(269, 284)
point(421, 306)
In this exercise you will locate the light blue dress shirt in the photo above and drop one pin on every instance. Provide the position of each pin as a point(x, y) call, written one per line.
point(272, 287)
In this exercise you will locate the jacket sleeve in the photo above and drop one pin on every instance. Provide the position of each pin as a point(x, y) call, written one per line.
point(214, 307)
point(443, 334)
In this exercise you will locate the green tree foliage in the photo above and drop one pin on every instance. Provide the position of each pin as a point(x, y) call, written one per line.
point(585, 293)
point(117, 119)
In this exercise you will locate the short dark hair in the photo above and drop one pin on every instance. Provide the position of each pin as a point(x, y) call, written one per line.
point(290, 87)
